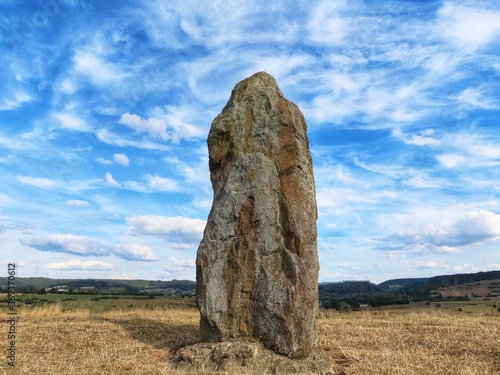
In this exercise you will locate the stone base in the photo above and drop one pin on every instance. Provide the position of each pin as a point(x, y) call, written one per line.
point(246, 357)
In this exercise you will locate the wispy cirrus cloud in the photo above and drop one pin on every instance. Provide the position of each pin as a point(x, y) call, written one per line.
point(121, 159)
point(468, 27)
point(152, 184)
point(77, 203)
point(52, 184)
point(99, 108)
point(99, 71)
point(16, 100)
point(39, 182)
point(77, 264)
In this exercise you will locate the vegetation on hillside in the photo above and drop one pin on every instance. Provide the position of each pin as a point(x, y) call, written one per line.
point(459, 287)
point(342, 296)
point(97, 286)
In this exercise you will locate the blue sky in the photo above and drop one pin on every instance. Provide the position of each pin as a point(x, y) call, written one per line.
point(105, 107)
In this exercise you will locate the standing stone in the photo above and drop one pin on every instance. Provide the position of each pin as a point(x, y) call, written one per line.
point(257, 265)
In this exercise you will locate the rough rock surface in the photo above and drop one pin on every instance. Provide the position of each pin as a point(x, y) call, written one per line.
point(247, 357)
point(257, 265)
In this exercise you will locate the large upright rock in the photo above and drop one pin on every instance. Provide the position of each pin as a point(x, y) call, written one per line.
point(257, 265)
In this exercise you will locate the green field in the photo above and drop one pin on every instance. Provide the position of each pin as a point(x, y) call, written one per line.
point(101, 303)
point(98, 303)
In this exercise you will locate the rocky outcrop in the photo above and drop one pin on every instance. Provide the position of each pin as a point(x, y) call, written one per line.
point(247, 357)
point(257, 265)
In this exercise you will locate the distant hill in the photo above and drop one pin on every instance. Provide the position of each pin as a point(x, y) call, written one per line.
point(481, 285)
point(349, 288)
point(438, 281)
point(36, 284)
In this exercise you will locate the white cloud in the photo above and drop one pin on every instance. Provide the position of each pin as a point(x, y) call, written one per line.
point(182, 263)
point(100, 72)
point(458, 268)
point(153, 184)
point(8, 261)
point(204, 204)
point(106, 136)
point(420, 140)
point(474, 98)
point(68, 86)
point(77, 203)
point(135, 253)
point(72, 186)
point(12, 103)
point(122, 159)
point(475, 228)
point(76, 264)
point(370, 97)
point(180, 268)
point(427, 132)
point(470, 149)
point(169, 124)
point(282, 65)
point(326, 25)
point(156, 128)
point(466, 268)
point(176, 229)
point(394, 255)
point(75, 186)
point(430, 265)
point(180, 120)
point(181, 246)
point(67, 243)
point(468, 28)
point(104, 161)
point(420, 181)
point(445, 249)
point(111, 181)
point(39, 182)
point(158, 183)
point(204, 25)
point(451, 160)
point(71, 122)
point(194, 173)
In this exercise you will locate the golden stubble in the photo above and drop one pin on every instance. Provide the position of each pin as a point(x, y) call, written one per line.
point(142, 341)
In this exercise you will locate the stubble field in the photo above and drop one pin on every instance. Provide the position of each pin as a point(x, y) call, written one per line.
point(140, 340)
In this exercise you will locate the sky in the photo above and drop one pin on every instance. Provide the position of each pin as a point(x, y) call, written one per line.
point(105, 107)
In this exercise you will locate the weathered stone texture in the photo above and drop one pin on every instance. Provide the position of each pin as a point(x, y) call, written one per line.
point(239, 356)
point(257, 265)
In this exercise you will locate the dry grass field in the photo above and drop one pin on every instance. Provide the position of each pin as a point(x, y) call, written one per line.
point(142, 340)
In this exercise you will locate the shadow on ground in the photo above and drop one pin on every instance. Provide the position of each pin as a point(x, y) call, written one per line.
point(160, 335)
